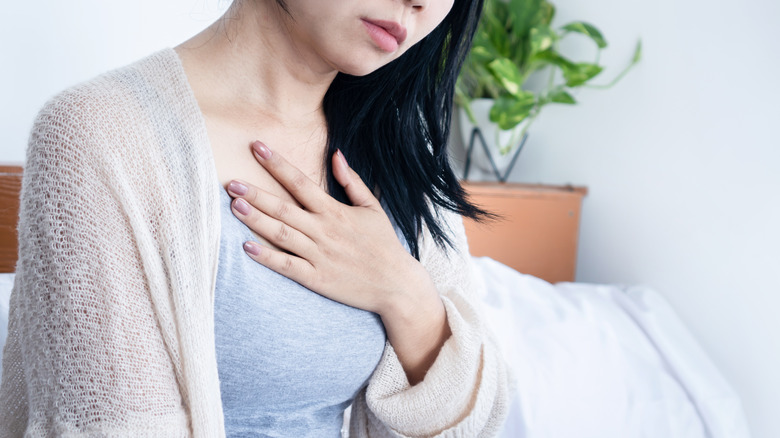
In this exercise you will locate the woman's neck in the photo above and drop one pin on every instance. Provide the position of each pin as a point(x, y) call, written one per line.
point(255, 67)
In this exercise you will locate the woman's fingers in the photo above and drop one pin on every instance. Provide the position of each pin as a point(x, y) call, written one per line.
point(291, 266)
point(306, 191)
point(271, 205)
point(359, 194)
point(275, 231)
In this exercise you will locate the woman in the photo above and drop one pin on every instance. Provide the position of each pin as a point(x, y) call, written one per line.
point(149, 301)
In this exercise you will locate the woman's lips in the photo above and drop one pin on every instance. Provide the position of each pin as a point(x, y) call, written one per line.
point(387, 35)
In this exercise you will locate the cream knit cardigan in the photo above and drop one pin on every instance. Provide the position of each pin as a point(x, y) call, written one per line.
point(111, 329)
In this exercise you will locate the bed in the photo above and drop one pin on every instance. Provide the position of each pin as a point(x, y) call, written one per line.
point(589, 360)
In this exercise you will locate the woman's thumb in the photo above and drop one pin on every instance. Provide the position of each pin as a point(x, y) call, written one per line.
point(357, 192)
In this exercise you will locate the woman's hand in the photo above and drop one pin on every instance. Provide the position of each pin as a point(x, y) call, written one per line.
point(349, 254)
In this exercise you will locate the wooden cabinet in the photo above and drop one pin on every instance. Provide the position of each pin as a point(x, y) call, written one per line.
point(10, 185)
point(538, 231)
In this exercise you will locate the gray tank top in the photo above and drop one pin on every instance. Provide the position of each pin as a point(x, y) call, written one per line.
point(289, 360)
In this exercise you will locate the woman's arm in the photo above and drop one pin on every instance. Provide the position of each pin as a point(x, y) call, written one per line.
point(85, 356)
point(465, 391)
point(417, 327)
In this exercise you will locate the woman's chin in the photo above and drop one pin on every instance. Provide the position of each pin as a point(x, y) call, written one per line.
point(359, 70)
point(367, 65)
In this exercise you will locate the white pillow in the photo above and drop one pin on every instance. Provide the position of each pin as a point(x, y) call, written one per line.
point(6, 284)
point(606, 361)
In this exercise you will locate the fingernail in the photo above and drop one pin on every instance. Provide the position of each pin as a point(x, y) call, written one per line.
point(252, 248)
point(241, 206)
point(237, 188)
point(261, 150)
point(341, 157)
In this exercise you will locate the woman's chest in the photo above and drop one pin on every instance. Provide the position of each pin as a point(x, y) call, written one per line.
point(233, 157)
point(231, 143)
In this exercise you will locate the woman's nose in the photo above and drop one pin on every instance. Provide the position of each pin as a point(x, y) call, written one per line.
point(418, 5)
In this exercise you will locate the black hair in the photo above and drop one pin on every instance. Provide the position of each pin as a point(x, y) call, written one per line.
point(393, 124)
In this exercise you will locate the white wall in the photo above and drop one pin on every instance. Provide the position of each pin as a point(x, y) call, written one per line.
point(683, 169)
point(49, 45)
point(677, 157)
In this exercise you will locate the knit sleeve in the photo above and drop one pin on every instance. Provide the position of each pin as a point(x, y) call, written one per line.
point(465, 392)
point(84, 356)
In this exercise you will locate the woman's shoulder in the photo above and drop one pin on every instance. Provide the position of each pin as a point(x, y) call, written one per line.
point(123, 106)
point(121, 93)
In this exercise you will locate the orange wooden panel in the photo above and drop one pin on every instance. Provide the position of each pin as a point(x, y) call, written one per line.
point(539, 231)
point(10, 185)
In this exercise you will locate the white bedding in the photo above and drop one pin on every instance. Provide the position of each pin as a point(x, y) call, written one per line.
point(6, 284)
point(603, 361)
point(591, 361)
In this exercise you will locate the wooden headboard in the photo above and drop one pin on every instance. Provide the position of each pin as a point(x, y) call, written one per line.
point(10, 185)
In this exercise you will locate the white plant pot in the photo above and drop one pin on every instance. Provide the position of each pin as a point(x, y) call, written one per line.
point(495, 138)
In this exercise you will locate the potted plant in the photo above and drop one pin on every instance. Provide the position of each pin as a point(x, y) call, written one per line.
point(515, 39)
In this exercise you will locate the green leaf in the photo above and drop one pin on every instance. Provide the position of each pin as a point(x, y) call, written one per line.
point(507, 73)
point(581, 73)
point(548, 13)
point(481, 55)
point(509, 111)
point(542, 38)
point(493, 27)
point(560, 95)
point(524, 14)
point(554, 58)
point(588, 30)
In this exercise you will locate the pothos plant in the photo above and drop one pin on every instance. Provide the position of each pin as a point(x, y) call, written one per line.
point(515, 39)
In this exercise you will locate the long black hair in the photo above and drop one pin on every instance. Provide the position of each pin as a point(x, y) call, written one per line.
point(393, 124)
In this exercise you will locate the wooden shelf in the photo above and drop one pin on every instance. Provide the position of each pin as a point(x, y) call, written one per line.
point(539, 229)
